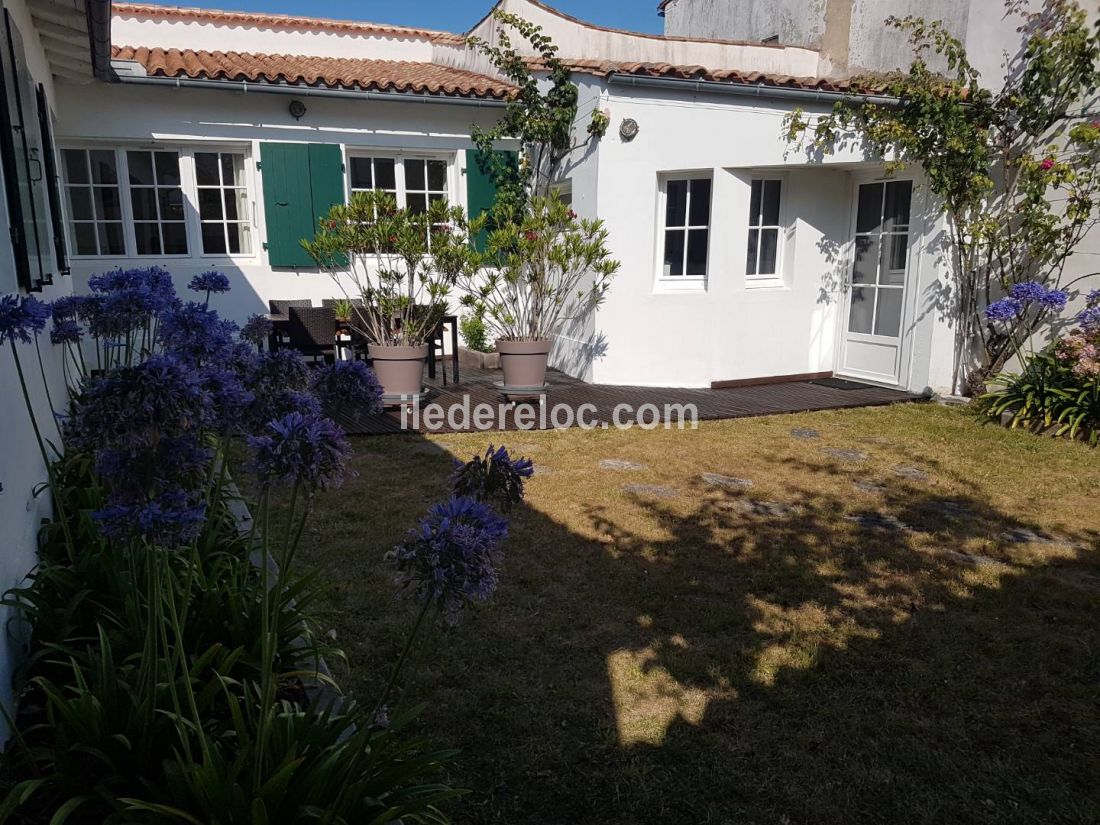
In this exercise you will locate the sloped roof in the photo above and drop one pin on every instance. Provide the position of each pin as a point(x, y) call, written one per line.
point(332, 72)
point(280, 20)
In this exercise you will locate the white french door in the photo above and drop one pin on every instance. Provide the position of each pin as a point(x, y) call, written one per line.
point(873, 344)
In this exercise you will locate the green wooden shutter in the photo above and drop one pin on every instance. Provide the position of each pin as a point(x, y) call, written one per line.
point(481, 189)
point(302, 181)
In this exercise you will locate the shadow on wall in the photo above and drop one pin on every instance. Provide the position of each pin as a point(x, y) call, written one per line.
point(793, 661)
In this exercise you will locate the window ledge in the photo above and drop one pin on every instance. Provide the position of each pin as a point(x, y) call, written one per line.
point(673, 286)
point(766, 283)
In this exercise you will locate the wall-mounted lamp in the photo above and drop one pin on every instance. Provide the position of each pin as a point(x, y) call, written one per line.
point(628, 129)
point(297, 109)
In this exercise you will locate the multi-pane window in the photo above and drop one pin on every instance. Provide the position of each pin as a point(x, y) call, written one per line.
point(95, 204)
point(763, 257)
point(425, 183)
point(156, 199)
point(686, 227)
point(374, 174)
point(223, 203)
point(881, 258)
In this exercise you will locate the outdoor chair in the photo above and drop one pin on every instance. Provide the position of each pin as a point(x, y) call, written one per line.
point(312, 331)
point(281, 308)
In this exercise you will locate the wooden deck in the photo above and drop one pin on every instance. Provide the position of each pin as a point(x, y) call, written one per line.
point(711, 404)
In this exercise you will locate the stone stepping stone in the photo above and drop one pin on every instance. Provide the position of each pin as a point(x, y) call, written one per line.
point(846, 455)
point(911, 473)
point(729, 482)
point(771, 509)
point(951, 509)
point(1025, 535)
point(651, 490)
point(805, 433)
point(620, 465)
point(872, 487)
point(879, 521)
point(973, 559)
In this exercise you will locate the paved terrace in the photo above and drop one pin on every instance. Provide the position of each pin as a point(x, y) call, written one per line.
point(712, 404)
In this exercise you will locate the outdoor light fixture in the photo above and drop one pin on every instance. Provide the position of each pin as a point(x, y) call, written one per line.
point(628, 129)
point(297, 109)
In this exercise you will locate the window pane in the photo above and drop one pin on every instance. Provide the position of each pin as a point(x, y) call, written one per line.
point(862, 311)
point(414, 174)
point(232, 169)
point(143, 200)
point(76, 165)
point(676, 202)
point(210, 204)
point(769, 251)
point(80, 203)
point(107, 205)
point(385, 174)
point(231, 205)
point(168, 168)
point(416, 203)
point(697, 251)
point(213, 238)
point(770, 208)
point(171, 204)
point(103, 166)
point(674, 252)
point(175, 238)
point(206, 168)
point(148, 238)
point(84, 236)
point(235, 238)
point(893, 272)
point(361, 177)
point(140, 167)
point(888, 317)
point(754, 241)
point(700, 203)
point(869, 212)
point(865, 268)
point(110, 239)
point(899, 196)
point(754, 202)
point(437, 175)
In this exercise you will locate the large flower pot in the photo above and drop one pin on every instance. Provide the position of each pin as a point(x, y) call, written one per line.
point(400, 370)
point(523, 362)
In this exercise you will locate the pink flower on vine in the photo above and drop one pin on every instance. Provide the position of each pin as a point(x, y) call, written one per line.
point(572, 215)
point(531, 236)
point(1047, 164)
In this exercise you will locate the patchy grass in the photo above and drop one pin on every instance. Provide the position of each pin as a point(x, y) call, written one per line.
point(780, 653)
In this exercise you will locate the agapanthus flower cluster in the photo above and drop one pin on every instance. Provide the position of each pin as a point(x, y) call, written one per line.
point(173, 519)
point(495, 478)
point(349, 386)
point(22, 317)
point(66, 331)
point(209, 282)
point(300, 449)
point(1024, 296)
point(257, 329)
point(144, 426)
point(125, 300)
point(196, 333)
point(450, 558)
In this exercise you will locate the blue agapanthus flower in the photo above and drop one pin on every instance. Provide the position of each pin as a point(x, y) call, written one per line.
point(1093, 298)
point(450, 557)
point(70, 307)
point(298, 448)
point(1004, 310)
point(209, 282)
point(196, 333)
point(1033, 292)
point(22, 317)
point(348, 386)
point(230, 400)
point(173, 519)
point(257, 329)
point(496, 478)
point(66, 331)
point(1089, 319)
point(124, 300)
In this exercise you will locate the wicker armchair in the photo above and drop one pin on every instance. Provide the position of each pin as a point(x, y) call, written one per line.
point(312, 331)
point(278, 337)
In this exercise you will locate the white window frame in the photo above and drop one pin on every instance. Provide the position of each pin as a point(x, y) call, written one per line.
point(190, 198)
point(781, 235)
point(248, 210)
point(70, 222)
point(682, 283)
point(126, 190)
point(399, 156)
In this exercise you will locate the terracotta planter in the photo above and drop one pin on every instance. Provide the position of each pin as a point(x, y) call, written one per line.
point(400, 370)
point(523, 362)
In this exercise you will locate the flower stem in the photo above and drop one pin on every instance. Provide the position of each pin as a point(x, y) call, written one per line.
point(404, 655)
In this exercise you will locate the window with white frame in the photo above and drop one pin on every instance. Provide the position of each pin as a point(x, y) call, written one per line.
point(95, 204)
point(367, 174)
point(764, 229)
point(156, 202)
point(415, 183)
point(223, 203)
point(686, 227)
point(137, 201)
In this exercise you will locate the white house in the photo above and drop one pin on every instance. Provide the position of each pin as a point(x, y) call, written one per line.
point(223, 136)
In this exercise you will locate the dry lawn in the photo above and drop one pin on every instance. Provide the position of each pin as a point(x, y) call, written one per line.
point(850, 639)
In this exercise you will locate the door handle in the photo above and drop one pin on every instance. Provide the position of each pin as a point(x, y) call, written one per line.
point(38, 165)
point(282, 203)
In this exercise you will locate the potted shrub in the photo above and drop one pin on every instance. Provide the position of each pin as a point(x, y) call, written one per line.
point(402, 265)
point(539, 271)
point(478, 350)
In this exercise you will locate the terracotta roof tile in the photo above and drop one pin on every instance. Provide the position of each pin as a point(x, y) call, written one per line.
point(603, 68)
point(279, 20)
point(333, 72)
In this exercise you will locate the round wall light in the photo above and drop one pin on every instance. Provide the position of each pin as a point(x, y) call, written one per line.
point(628, 129)
point(297, 109)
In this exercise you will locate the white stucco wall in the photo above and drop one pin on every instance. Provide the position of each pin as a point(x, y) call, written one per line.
point(174, 117)
point(21, 466)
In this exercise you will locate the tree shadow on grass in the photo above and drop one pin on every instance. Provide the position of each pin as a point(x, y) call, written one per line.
point(730, 662)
